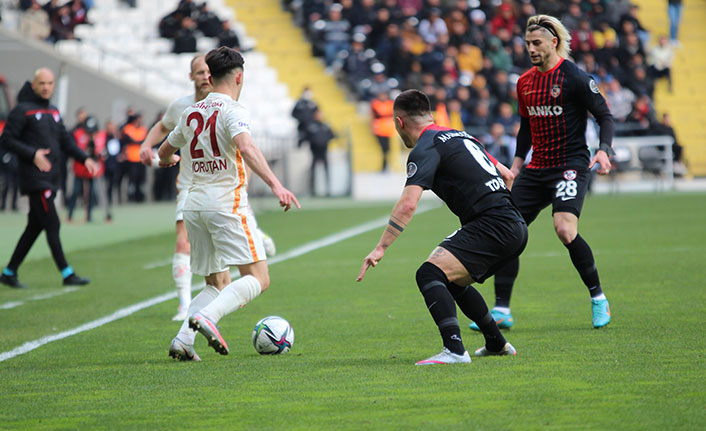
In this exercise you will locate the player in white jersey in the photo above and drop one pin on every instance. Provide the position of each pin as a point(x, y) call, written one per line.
point(221, 228)
point(181, 269)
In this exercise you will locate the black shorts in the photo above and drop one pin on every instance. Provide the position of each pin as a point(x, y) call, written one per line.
point(486, 244)
point(535, 189)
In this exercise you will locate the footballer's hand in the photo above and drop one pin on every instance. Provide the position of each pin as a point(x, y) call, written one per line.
point(41, 161)
point(173, 160)
point(371, 260)
point(146, 155)
point(286, 198)
point(92, 167)
point(603, 161)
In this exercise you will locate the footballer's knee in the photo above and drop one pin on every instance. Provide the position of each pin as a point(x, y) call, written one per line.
point(565, 232)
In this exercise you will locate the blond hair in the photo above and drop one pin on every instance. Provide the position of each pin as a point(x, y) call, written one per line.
point(554, 28)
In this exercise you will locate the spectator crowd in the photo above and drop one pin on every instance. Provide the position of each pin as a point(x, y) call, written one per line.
point(468, 54)
point(191, 20)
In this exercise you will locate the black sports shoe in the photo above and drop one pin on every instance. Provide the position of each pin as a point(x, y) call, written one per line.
point(11, 281)
point(75, 280)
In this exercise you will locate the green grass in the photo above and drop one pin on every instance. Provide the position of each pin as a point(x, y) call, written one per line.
point(352, 362)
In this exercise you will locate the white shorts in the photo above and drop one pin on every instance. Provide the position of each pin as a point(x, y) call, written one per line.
point(220, 240)
point(180, 202)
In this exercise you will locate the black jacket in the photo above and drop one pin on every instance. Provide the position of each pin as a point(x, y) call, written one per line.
point(33, 124)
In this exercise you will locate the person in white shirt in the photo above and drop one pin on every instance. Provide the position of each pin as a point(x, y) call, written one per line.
point(181, 270)
point(221, 228)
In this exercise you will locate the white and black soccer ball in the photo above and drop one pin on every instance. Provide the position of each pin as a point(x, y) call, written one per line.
point(272, 336)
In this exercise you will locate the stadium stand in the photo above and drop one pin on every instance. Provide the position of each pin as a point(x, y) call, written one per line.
point(452, 48)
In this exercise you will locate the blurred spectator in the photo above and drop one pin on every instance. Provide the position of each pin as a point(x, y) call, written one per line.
point(170, 24)
point(456, 114)
point(500, 144)
point(185, 37)
point(303, 112)
point(227, 36)
point(504, 19)
point(134, 132)
point(497, 55)
point(479, 29)
point(660, 60)
point(62, 26)
point(9, 179)
point(318, 134)
point(79, 12)
point(383, 125)
point(481, 116)
point(34, 23)
point(641, 84)
point(631, 16)
point(433, 27)
point(113, 155)
point(507, 117)
point(674, 9)
point(603, 33)
point(643, 114)
point(92, 142)
point(208, 22)
point(572, 17)
point(619, 100)
point(582, 38)
point(470, 59)
point(335, 33)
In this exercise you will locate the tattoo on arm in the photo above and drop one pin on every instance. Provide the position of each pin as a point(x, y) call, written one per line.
point(396, 223)
point(393, 232)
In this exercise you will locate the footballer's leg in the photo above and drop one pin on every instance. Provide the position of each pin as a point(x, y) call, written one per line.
point(253, 281)
point(433, 283)
point(182, 346)
point(181, 271)
point(566, 226)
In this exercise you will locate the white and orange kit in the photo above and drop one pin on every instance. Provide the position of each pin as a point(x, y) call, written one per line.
point(222, 230)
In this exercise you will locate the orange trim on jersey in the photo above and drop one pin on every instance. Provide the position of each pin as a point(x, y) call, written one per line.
point(251, 242)
point(241, 179)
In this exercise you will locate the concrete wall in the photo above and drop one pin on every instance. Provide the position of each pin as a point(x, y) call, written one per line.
point(77, 85)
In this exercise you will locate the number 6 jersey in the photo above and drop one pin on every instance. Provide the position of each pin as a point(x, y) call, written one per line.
point(456, 167)
point(205, 131)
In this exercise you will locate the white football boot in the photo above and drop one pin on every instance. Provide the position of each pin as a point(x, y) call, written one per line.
point(182, 351)
point(446, 357)
point(507, 349)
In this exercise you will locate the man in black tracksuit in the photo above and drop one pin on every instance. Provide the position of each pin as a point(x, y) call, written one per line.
point(35, 132)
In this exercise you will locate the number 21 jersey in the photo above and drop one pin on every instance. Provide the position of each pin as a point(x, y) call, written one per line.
point(206, 131)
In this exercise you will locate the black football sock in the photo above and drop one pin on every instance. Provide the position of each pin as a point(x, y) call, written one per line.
point(504, 280)
point(582, 258)
point(433, 283)
point(472, 304)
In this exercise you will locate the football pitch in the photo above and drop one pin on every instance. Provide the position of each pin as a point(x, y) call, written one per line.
point(95, 357)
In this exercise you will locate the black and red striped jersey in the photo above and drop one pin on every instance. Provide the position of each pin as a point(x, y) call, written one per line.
point(555, 106)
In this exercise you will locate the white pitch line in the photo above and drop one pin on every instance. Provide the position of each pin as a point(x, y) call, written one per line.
point(13, 304)
point(124, 312)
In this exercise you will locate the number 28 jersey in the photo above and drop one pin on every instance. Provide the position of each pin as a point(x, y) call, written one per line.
point(206, 131)
point(456, 167)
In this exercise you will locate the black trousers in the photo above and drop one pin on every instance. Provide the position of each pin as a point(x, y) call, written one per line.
point(42, 216)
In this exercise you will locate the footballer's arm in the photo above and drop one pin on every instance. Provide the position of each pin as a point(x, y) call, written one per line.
point(257, 162)
point(155, 136)
point(167, 155)
point(401, 215)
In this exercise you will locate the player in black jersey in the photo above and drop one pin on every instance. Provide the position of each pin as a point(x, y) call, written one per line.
point(554, 98)
point(456, 167)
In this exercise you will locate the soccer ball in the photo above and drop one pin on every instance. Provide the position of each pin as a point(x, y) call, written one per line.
point(272, 336)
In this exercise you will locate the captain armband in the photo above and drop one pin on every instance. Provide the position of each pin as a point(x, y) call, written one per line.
point(607, 148)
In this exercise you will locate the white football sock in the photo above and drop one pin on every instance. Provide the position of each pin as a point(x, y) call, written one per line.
point(234, 296)
point(205, 297)
point(504, 310)
point(181, 271)
point(599, 297)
